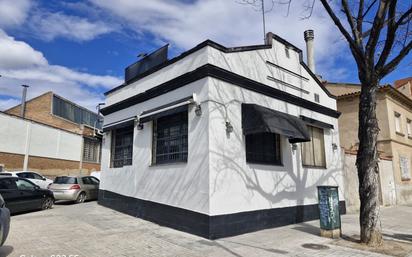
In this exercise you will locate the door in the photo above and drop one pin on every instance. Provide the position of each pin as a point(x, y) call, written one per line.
point(96, 184)
point(39, 180)
point(33, 177)
point(31, 197)
point(88, 187)
point(11, 196)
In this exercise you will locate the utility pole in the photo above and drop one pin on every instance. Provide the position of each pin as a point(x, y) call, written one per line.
point(264, 22)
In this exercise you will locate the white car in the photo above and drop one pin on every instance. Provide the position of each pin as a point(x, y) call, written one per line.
point(34, 177)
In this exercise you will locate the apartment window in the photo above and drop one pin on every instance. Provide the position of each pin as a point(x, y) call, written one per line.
point(398, 127)
point(74, 113)
point(404, 165)
point(122, 147)
point(170, 139)
point(91, 150)
point(263, 148)
point(313, 152)
point(409, 127)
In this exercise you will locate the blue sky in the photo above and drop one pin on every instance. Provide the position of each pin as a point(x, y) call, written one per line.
point(79, 49)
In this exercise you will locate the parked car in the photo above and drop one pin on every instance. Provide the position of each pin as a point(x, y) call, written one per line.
point(21, 195)
point(78, 189)
point(4, 221)
point(34, 177)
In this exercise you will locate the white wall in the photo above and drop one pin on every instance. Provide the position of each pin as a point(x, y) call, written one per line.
point(252, 64)
point(184, 185)
point(189, 63)
point(237, 186)
point(387, 185)
point(16, 134)
point(216, 179)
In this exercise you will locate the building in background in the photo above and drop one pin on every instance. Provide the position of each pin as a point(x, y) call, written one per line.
point(40, 140)
point(220, 141)
point(404, 86)
point(394, 113)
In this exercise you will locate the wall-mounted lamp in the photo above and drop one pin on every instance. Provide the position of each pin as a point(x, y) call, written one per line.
point(294, 147)
point(140, 126)
point(334, 147)
point(229, 127)
point(198, 110)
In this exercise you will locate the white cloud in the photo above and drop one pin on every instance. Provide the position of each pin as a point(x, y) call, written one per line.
point(17, 54)
point(80, 87)
point(227, 22)
point(7, 103)
point(48, 26)
point(13, 12)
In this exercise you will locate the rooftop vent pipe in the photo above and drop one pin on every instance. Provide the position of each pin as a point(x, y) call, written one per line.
point(309, 39)
point(23, 101)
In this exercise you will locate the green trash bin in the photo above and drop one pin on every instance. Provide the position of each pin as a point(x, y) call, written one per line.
point(329, 215)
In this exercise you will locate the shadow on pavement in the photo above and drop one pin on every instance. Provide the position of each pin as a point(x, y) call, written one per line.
point(403, 237)
point(308, 228)
point(5, 250)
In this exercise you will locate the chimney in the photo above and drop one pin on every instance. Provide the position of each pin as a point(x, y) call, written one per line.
point(23, 101)
point(309, 38)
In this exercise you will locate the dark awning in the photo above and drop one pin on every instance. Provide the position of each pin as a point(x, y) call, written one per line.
point(167, 109)
point(119, 124)
point(316, 123)
point(259, 119)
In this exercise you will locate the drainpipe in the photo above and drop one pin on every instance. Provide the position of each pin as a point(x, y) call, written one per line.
point(309, 39)
point(23, 101)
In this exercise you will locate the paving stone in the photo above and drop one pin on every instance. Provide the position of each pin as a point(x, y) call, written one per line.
point(89, 230)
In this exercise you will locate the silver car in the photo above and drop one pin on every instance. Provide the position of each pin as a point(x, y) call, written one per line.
point(75, 188)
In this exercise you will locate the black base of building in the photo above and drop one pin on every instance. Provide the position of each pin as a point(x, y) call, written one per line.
point(211, 227)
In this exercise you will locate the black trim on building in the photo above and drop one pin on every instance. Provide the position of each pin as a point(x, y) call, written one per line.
point(227, 50)
point(213, 71)
point(120, 124)
point(287, 84)
point(287, 71)
point(211, 227)
point(188, 52)
point(316, 123)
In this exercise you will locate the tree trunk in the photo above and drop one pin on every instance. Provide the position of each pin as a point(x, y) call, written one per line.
point(367, 164)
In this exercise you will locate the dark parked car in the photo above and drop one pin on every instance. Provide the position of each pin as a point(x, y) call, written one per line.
point(22, 195)
point(4, 221)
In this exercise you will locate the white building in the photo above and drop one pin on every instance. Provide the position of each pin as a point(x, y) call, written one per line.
point(209, 142)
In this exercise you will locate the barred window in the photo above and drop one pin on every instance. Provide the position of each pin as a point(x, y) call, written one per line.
point(122, 147)
point(91, 150)
point(170, 138)
point(263, 148)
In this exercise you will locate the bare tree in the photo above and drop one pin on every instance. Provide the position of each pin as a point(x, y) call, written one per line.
point(379, 35)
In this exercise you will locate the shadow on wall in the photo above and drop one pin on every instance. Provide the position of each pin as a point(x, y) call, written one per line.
point(289, 183)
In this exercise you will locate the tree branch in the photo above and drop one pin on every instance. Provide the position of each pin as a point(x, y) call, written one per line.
point(352, 24)
point(390, 35)
point(357, 53)
point(377, 26)
point(359, 20)
point(404, 16)
point(395, 61)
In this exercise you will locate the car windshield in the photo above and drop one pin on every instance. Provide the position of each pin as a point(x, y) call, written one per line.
point(5, 174)
point(65, 180)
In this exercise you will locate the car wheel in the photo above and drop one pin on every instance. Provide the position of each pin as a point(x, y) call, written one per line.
point(47, 203)
point(81, 198)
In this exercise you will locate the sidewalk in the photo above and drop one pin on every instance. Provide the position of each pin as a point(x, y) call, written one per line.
point(89, 230)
